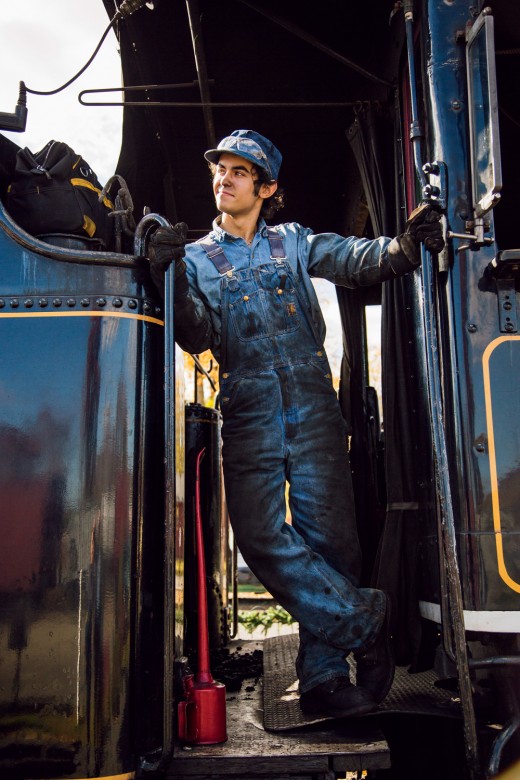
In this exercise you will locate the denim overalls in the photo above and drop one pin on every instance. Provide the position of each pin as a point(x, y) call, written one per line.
point(282, 423)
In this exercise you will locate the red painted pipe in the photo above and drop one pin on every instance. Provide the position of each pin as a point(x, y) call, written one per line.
point(202, 715)
point(203, 672)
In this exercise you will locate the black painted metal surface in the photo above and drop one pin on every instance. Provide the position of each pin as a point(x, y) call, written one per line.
point(478, 362)
point(81, 523)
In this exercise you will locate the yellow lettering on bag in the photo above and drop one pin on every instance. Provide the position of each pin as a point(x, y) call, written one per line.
point(89, 226)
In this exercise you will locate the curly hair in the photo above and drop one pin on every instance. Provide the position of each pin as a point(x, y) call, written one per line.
point(270, 205)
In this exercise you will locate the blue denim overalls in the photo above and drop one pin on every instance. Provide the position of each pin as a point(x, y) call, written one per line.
point(282, 423)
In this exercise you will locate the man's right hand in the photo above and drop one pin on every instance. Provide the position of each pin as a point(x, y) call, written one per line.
point(167, 246)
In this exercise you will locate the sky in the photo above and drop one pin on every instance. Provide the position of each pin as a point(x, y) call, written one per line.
point(44, 43)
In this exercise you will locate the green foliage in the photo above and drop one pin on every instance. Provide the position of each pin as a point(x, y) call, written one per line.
point(253, 618)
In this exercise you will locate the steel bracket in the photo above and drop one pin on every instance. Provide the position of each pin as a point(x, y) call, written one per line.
point(436, 191)
point(507, 305)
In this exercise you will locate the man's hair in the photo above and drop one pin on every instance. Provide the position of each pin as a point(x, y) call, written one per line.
point(270, 205)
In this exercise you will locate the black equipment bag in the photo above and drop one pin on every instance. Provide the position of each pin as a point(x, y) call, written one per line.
point(56, 191)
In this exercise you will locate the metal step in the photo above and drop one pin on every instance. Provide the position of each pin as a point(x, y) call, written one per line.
point(252, 751)
point(410, 693)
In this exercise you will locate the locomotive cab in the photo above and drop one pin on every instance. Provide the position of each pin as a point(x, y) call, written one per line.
point(98, 565)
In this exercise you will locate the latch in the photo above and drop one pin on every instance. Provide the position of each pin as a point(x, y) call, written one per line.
point(477, 238)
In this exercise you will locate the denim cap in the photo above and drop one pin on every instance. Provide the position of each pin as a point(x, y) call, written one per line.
point(251, 146)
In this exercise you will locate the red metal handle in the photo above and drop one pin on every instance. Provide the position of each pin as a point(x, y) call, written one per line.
point(186, 725)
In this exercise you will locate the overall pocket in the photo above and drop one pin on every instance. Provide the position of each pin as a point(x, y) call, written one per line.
point(262, 302)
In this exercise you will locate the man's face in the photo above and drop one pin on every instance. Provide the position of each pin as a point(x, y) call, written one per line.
point(233, 186)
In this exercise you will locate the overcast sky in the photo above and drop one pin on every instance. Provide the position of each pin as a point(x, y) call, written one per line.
point(44, 43)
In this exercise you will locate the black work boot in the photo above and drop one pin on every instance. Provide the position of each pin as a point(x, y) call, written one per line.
point(375, 666)
point(337, 698)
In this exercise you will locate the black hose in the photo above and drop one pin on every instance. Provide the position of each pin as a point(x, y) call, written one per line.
point(126, 8)
point(83, 69)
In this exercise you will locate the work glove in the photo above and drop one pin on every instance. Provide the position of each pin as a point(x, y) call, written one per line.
point(167, 246)
point(424, 227)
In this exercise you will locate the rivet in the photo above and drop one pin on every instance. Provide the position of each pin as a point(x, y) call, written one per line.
point(320, 353)
point(117, 302)
point(225, 376)
point(132, 304)
point(147, 306)
point(85, 302)
point(480, 447)
point(14, 303)
point(43, 302)
point(246, 297)
point(2, 303)
point(280, 292)
point(56, 302)
point(157, 309)
point(101, 301)
point(71, 302)
point(472, 328)
point(28, 303)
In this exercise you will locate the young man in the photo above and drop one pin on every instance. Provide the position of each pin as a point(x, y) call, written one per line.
point(245, 292)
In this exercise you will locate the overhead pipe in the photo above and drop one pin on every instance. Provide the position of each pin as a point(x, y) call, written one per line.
point(192, 7)
point(207, 103)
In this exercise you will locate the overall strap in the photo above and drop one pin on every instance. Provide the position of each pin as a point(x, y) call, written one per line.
point(276, 244)
point(217, 256)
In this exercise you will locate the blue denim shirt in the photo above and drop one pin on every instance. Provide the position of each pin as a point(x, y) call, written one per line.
point(345, 261)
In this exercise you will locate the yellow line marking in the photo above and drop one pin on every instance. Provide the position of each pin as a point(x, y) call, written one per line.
point(492, 461)
point(127, 776)
point(122, 314)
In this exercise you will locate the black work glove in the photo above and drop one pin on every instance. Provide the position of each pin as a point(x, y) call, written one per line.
point(167, 246)
point(424, 227)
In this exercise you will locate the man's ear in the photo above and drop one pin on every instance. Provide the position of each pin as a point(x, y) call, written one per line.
point(266, 190)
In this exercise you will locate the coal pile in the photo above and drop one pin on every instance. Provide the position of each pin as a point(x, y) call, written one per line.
point(233, 667)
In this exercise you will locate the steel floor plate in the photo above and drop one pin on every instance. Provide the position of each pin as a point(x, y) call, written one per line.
point(410, 693)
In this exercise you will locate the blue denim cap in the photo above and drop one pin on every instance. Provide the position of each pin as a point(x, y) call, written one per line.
point(251, 146)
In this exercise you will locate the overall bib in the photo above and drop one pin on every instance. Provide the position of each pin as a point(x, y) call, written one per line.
point(282, 423)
